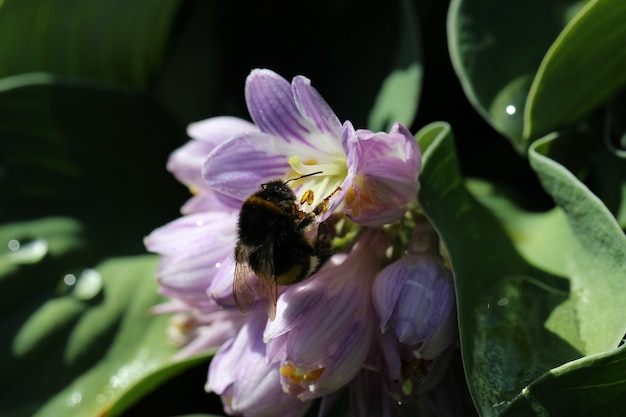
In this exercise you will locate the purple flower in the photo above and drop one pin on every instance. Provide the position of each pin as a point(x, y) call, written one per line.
point(195, 250)
point(186, 162)
point(247, 384)
point(414, 298)
point(383, 168)
point(326, 326)
point(299, 134)
point(347, 325)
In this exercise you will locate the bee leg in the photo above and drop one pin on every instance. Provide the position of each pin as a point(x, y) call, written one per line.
point(323, 205)
point(306, 221)
point(323, 244)
point(309, 218)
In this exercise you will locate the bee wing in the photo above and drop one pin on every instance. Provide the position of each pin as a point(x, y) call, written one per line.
point(244, 286)
point(268, 294)
point(247, 284)
point(267, 289)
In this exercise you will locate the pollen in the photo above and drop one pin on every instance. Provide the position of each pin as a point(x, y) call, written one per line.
point(313, 375)
point(299, 376)
point(307, 197)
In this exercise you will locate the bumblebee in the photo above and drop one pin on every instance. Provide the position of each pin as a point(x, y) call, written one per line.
point(274, 246)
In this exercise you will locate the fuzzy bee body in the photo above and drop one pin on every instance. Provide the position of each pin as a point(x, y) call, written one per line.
point(273, 247)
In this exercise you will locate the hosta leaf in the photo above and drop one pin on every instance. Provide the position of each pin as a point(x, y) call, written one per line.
point(517, 277)
point(583, 68)
point(121, 41)
point(496, 48)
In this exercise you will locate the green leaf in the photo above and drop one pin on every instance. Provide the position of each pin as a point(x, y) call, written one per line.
point(398, 97)
point(591, 386)
point(583, 68)
point(26, 243)
point(502, 300)
point(120, 41)
point(596, 265)
point(77, 352)
point(521, 307)
point(81, 150)
point(496, 48)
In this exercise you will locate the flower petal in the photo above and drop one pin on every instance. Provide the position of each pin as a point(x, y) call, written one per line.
point(272, 107)
point(186, 163)
point(216, 130)
point(311, 104)
point(247, 384)
point(384, 168)
point(193, 248)
point(239, 166)
point(325, 324)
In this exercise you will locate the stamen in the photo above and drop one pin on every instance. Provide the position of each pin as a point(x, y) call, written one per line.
point(313, 375)
point(298, 376)
point(312, 166)
point(307, 197)
point(287, 370)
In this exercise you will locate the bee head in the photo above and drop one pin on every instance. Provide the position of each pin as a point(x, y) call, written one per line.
point(278, 190)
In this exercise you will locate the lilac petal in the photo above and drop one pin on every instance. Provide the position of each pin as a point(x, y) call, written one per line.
point(186, 163)
point(239, 166)
point(248, 385)
point(415, 296)
point(311, 104)
point(192, 248)
point(221, 288)
point(387, 289)
point(208, 200)
point(216, 130)
point(223, 325)
point(272, 107)
point(326, 321)
point(384, 168)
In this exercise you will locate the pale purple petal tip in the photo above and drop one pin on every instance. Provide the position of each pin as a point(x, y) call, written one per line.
point(311, 104)
point(216, 130)
point(239, 166)
point(272, 107)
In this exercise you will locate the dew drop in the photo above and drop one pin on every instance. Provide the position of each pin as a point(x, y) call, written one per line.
point(503, 301)
point(218, 264)
point(69, 279)
point(510, 109)
point(14, 244)
point(29, 253)
point(74, 399)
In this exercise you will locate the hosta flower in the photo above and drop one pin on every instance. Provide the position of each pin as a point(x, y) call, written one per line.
point(348, 325)
point(186, 162)
point(414, 300)
point(195, 250)
point(326, 327)
point(299, 134)
point(383, 169)
point(247, 384)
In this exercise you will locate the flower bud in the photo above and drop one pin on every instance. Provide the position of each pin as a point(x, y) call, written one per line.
point(414, 298)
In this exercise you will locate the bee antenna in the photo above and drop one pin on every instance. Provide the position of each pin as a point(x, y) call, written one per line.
point(302, 176)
